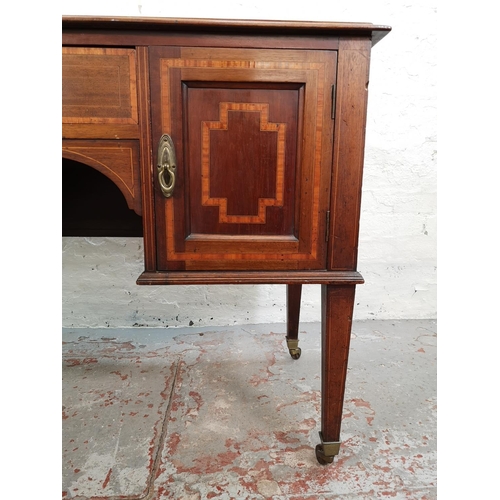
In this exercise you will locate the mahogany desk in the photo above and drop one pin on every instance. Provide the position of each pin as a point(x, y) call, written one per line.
point(240, 143)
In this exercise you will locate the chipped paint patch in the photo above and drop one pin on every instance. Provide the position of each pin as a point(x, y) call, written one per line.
point(243, 417)
point(112, 418)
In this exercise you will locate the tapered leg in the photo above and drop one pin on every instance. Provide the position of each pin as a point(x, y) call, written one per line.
point(293, 295)
point(337, 308)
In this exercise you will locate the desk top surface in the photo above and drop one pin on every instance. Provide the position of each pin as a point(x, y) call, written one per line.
point(377, 32)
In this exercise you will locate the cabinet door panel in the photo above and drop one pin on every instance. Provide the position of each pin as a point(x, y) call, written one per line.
point(253, 174)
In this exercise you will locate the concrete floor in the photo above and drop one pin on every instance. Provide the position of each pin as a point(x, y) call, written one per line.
point(226, 413)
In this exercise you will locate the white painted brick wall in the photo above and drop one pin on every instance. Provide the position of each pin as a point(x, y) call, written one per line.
point(397, 252)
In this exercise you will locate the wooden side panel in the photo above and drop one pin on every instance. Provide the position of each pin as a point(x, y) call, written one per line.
point(117, 160)
point(99, 94)
point(349, 142)
point(253, 174)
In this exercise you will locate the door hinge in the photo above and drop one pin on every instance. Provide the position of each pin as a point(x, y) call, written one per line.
point(327, 228)
point(333, 102)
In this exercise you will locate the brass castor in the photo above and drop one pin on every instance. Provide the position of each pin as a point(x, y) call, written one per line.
point(293, 348)
point(321, 457)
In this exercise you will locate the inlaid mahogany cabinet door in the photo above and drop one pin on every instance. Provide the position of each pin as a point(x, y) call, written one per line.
point(252, 130)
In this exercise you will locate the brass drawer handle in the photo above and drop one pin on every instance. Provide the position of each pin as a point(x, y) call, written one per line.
point(166, 162)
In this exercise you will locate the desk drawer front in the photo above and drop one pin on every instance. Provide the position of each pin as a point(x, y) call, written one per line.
point(99, 86)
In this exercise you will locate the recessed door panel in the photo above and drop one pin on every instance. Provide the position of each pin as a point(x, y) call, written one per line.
point(253, 174)
point(241, 143)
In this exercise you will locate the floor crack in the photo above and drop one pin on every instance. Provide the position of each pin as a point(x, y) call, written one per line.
point(161, 441)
